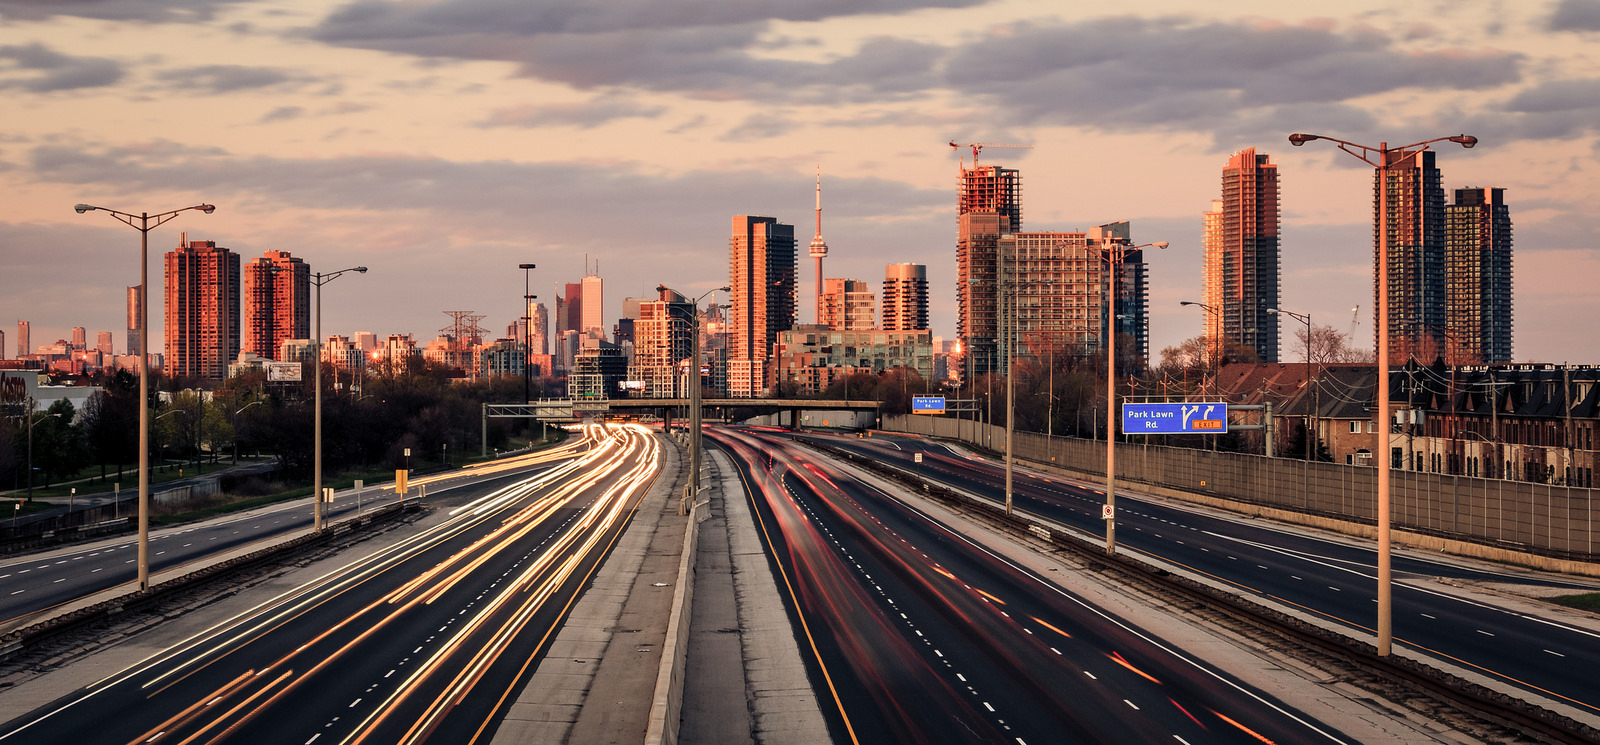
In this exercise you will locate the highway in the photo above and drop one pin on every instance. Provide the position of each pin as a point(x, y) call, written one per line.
point(1332, 579)
point(424, 639)
point(918, 635)
point(30, 586)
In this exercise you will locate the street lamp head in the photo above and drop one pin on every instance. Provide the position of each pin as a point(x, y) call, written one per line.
point(1466, 141)
point(361, 270)
point(82, 208)
point(208, 208)
point(1162, 244)
point(724, 289)
point(1298, 139)
point(527, 266)
point(1272, 311)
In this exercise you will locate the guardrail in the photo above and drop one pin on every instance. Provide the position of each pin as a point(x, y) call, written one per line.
point(1495, 706)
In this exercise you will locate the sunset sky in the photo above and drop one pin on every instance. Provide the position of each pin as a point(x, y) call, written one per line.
point(443, 143)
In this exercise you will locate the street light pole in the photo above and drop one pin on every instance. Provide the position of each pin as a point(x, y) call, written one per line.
point(31, 422)
point(1114, 254)
point(1387, 157)
point(527, 338)
point(319, 279)
point(146, 223)
point(693, 490)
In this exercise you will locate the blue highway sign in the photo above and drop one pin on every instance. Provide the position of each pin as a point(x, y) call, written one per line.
point(1174, 419)
point(927, 404)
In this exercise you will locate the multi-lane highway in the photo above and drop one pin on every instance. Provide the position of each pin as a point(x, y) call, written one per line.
point(426, 638)
point(918, 635)
point(32, 586)
point(1332, 579)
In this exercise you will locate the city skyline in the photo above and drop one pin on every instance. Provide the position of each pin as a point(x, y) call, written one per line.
point(401, 141)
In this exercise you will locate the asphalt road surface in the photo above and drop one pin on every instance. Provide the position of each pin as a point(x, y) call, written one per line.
point(920, 636)
point(30, 585)
point(1336, 580)
point(424, 640)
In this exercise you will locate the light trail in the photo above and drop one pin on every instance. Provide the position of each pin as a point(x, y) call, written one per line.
point(580, 507)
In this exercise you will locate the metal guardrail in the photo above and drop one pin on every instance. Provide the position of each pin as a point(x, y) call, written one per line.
point(1495, 706)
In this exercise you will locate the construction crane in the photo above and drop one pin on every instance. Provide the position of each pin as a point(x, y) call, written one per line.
point(1355, 320)
point(979, 146)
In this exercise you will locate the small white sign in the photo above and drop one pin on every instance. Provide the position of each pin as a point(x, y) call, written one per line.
point(1106, 512)
point(916, 457)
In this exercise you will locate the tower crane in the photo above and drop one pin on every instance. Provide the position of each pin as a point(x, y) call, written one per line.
point(1355, 320)
point(979, 146)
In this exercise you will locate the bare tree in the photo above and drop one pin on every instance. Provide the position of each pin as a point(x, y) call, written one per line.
point(1330, 346)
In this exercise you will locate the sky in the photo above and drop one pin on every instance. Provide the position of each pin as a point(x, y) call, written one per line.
point(442, 143)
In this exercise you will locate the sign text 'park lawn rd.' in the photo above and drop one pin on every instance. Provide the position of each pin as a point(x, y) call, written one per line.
point(1174, 418)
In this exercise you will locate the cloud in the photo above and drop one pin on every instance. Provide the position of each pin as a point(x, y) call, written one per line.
point(157, 11)
point(579, 114)
point(701, 47)
point(371, 22)
point(521, 196)
point(1179, 74)
point(1575, 15)
point(217, 79)
point(54, 71)
point(1555, 109)
point(282, 114)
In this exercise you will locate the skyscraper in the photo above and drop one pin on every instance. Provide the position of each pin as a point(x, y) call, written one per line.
point(762, 274)
point(202, 309)
point(23, 341)
point(819, 247)
point(277, 302)
point(1061, 284)
point(1478, 277)
point(848, 305)
point(134, 306)
point(663, 336)
point(572, 302)
point(989, 201)
point(1416, 293)
point(80, 337)
point(2, 344)
point(593, 320)
point(905, 297)
point(103, 342)
point(1239, 268)
point(540, 331)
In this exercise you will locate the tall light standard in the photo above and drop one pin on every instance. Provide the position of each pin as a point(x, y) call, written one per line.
point(1304, 318)
point(1214, 340)
point(144, 222)
point(527, 336)
point(1114, 254)
point(236, 429)
point(693, 489)
point(1386, 158)
point(31, 422)
point(319, 279)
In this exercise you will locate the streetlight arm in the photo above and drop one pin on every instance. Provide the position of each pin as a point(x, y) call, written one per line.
point(319, 278)
point(145, 221)
point(1367, 151)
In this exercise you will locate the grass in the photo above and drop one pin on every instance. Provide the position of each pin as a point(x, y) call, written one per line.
point(1586, 601)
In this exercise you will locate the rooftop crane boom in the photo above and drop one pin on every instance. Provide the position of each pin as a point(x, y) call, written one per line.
point(978, 146)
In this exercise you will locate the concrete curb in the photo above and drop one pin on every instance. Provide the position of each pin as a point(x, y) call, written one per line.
point(667, 707)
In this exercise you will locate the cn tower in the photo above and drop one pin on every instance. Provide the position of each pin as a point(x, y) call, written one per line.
point(819, 247)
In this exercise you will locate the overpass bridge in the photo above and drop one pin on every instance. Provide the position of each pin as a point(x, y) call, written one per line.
point(573, 409)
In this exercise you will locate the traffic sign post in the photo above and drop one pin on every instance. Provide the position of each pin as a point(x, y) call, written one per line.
point(1174, 418)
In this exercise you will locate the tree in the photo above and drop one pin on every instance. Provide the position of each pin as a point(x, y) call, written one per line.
point(1330, 346)
point(58, 445)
